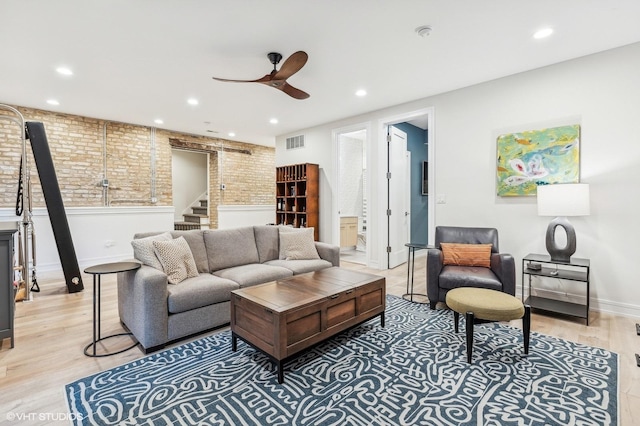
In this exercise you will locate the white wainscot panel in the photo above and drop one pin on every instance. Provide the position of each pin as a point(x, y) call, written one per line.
point(100, 234)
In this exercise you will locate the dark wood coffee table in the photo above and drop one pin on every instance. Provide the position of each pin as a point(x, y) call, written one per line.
point(284, 317)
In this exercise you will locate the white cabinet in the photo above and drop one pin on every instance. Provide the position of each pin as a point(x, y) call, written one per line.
point(348, 231)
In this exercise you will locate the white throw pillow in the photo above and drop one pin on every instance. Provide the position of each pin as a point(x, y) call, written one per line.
point(297, 244)
point(143, 249)
point(177, 259)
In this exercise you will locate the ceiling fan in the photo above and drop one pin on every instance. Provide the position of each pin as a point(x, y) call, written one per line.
point(278, 78)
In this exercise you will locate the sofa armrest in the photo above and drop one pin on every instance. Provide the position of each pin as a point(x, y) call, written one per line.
point(434, 267)
point(504, 266)
point(329, 252)
point(142, 304)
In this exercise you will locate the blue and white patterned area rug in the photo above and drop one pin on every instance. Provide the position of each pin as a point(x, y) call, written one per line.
point(412, 371)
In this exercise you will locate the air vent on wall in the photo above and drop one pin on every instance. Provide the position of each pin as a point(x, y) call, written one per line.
point(295, 142)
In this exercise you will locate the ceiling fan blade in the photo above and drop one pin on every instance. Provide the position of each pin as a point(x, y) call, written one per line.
point(292, 65)
point(264, 79)
point(292, 91)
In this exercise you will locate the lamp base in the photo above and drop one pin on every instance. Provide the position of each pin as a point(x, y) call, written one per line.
point(561, 254)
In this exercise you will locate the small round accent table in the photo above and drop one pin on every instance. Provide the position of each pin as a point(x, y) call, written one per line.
point(97, 271)
point(411, 263)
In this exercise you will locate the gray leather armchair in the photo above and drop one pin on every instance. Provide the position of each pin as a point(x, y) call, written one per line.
point(440, 278)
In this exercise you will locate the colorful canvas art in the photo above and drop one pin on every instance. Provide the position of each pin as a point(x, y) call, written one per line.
point(537, 157)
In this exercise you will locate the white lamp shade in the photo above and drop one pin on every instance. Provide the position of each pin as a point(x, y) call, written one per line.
point(569, 199)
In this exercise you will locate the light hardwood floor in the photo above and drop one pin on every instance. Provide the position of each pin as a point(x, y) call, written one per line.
point(53, 329)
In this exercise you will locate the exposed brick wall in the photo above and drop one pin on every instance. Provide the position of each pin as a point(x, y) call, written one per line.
point(77, 147)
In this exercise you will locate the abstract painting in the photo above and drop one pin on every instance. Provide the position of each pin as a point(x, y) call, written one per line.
point(537, 157)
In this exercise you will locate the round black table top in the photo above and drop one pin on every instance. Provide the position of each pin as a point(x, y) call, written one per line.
point(112, 268)
point(419, 245)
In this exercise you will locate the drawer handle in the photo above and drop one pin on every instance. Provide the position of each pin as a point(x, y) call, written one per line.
point(334, 296)
point(269, 311)
point(349, 291)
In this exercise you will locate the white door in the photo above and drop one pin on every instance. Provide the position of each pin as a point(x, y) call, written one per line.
point(397, 196)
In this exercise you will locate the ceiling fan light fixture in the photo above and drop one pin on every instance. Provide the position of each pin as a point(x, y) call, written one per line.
point(158, 121)
point(273, 121)
point(53, 102)
point(192, 101)
point(361, 93)
point(424, 30)
point(231, 134)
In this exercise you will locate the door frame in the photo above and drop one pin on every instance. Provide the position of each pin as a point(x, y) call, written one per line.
point(381, 177)
point(335, 197)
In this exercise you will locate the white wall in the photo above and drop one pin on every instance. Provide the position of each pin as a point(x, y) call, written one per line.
point(601, 92)
point(351, 172)
point(189, 179)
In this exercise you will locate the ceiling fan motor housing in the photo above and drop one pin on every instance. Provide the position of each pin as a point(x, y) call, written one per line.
point(275, 58)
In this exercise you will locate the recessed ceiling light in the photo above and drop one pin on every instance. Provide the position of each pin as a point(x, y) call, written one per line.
point(545, 32)
point(231, 134)
point(64, 71)
point(53, 102)
point(273, 121)
point(192, 101)
point(361, 93)
point(158, 121)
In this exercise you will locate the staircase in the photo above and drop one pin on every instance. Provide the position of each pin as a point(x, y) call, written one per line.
point(197, 219)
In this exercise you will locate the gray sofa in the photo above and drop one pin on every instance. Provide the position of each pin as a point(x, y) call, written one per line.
point(157, 312)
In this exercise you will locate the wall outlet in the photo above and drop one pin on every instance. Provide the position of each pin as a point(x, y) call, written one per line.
point(109, 243)
point(441, 199)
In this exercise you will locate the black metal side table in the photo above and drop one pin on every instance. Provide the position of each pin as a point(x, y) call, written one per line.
point(411, 263)
point(97, 271)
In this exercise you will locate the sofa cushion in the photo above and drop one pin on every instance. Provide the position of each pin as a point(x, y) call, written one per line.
point(227, 248)
point(203, 290)
point(195, 239)
point(176, 259)
point(297, 244)
point(267, 242)
point(301, 266)
point(248, 275)
point(143, 248)
point(468, 276)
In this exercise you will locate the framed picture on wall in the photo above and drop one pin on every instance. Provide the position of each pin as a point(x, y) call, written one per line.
point(425, 178)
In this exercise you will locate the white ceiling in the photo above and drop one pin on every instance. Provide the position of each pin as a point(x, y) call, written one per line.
point(135, 61)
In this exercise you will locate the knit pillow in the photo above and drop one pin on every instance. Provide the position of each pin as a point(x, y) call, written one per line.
point(298, 244)
point(466, 254)
point(143, 249)
point(177, 259)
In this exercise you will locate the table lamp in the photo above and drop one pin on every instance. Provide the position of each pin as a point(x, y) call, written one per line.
point(562, 200)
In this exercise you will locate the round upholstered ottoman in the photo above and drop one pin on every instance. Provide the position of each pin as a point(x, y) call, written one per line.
point(490, 305)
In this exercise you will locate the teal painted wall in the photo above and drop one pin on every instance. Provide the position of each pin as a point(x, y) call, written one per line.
point(416, 139)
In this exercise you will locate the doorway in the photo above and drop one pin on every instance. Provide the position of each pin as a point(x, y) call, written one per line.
point(352, 195)
point(407, 202)
point(190, 182)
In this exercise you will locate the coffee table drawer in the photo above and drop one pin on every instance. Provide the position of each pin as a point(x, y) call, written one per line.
point(371, 297)
point(341, 307)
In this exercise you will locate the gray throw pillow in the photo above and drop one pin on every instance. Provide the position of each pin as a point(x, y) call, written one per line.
point(297, 244)
point(143, 249)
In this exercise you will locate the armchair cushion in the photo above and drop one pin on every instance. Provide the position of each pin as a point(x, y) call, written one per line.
point(467, 254)
point(469, 276)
